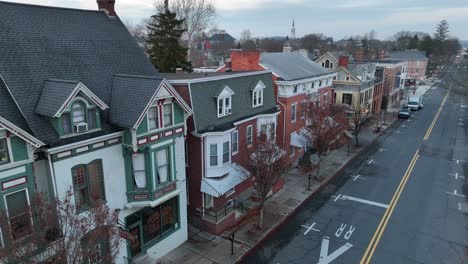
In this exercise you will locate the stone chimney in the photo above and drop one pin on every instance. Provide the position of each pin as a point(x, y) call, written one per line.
point(228, 65)
point(343, 61)
point(108, 6)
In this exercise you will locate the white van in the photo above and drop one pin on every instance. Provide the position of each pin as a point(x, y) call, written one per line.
point(415, 102)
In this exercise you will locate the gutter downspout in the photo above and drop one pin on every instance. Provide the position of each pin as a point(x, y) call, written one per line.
point(51, 167)
point(202, 143)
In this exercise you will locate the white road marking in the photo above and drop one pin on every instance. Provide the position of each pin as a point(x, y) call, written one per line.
point(370, 162)
point(311, 227)
point(346, 197)
point(456, 194)
point(403, 125)
point(457, 176)
point(357, 177)
point(348, 233)
point(325, 258)
point(398, 132)
point(336, 197)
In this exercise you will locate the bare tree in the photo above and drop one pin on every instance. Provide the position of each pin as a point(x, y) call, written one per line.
point(323, 125)
point(358, 114)
point(266, 163)
point(198, 15)
point(60, 232)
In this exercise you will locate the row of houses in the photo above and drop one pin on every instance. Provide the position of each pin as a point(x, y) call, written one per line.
point(82, 107)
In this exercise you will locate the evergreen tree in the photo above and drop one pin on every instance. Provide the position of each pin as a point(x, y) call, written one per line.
point(414, 43)
point(442, 31)
point(427, 45)
point(164, 48)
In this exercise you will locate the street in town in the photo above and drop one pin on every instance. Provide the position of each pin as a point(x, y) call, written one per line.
point(402, 201)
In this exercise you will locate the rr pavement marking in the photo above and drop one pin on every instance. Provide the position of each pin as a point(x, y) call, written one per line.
point(456, 194)
point(311, 227)
point(336, 197)
point(370, 162)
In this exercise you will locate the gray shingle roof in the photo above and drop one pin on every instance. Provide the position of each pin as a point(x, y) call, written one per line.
point(407, 55)
point(291, 66)
point(9, 110)
point(54, 95)
point(366, 70)
point(40, 43)
point(130, 96)
point(204, 101)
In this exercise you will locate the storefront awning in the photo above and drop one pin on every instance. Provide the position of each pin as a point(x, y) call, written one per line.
point(219, 186)
point(298, 140)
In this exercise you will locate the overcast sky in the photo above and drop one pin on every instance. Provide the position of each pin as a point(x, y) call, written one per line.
point(336, 18)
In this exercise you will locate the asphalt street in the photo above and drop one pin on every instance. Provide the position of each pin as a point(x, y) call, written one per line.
point(403, 200)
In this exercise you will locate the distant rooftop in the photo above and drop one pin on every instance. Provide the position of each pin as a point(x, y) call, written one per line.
point(200, 75)
point(407, 55)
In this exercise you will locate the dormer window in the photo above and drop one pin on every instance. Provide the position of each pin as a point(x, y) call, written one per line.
point(78, 111)
point(225, 102)
point(257, 95)
point(348, 77)
point(80, 118)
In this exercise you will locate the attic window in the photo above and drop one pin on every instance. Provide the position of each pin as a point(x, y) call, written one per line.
point(81, 118)
point(257, 95)
point(348, 77)
point(3, 151)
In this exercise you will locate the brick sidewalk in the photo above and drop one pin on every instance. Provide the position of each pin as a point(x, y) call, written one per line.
point(203, 248)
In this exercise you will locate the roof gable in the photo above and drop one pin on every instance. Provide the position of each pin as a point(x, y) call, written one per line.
point(20, 133)
point(226, 92)
point(57, 95)
point(260, 86)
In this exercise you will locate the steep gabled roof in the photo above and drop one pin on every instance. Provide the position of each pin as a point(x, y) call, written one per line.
point(291, 66)
point(58, 94)
point(39, 43)
point(132, 96)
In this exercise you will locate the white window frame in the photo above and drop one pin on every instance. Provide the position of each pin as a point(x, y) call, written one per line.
point(272, 132)
point(347, 78)
point(228, 153)
point(9, 151)
point(211, 199)
point(294, 113)
point(257, 94)
point(236, 141)
point(225, 95)
point(172, 115)
point(158, 125)
point(249, 135)
point(217, 155)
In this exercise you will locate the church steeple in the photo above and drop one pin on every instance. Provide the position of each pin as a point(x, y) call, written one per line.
point(292, 35)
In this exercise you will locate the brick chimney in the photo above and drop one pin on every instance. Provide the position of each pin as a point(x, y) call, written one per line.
point(108, 6)
point(343, 61)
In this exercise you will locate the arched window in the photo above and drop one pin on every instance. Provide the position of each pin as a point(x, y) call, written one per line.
point(327, 64)
point(78, 113)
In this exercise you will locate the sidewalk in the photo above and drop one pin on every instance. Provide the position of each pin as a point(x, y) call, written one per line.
point(204, 248)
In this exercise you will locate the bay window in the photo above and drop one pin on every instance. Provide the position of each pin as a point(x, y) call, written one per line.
point(226, 152)
point(163, 165)
point(213, 154)
point(139, 170)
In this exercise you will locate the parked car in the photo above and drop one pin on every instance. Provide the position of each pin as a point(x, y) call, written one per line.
point(415, 102)
point(405, 112)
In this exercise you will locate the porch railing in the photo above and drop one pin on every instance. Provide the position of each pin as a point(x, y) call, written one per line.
point(217, 215)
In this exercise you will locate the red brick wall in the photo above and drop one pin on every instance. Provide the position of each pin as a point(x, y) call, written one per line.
point(245, 60)
point(377, 98)
point(194, 170)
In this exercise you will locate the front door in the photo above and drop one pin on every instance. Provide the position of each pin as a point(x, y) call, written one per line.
point(135, 245)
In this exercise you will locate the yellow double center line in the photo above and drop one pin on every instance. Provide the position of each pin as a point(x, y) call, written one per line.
point(396, 196)
point(429, 131)
point(388, 213)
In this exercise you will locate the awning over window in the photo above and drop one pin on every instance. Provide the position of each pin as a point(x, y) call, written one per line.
point(218, 186)
point(298, 140)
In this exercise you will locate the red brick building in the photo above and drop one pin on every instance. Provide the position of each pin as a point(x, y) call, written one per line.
point(295, 77)
point(231, 110)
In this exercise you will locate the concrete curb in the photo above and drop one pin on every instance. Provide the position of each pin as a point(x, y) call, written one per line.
point(322, 185)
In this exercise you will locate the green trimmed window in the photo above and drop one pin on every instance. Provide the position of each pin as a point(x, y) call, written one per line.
point(88, 184)
point(139, 171)
point(163, 165)
point(153, 118)
point(80, 118)
point(19, 215)
point(4, 158)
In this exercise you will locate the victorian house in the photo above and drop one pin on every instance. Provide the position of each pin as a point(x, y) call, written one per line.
point(230, 111)
point(82, 108)
point(295, 79)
